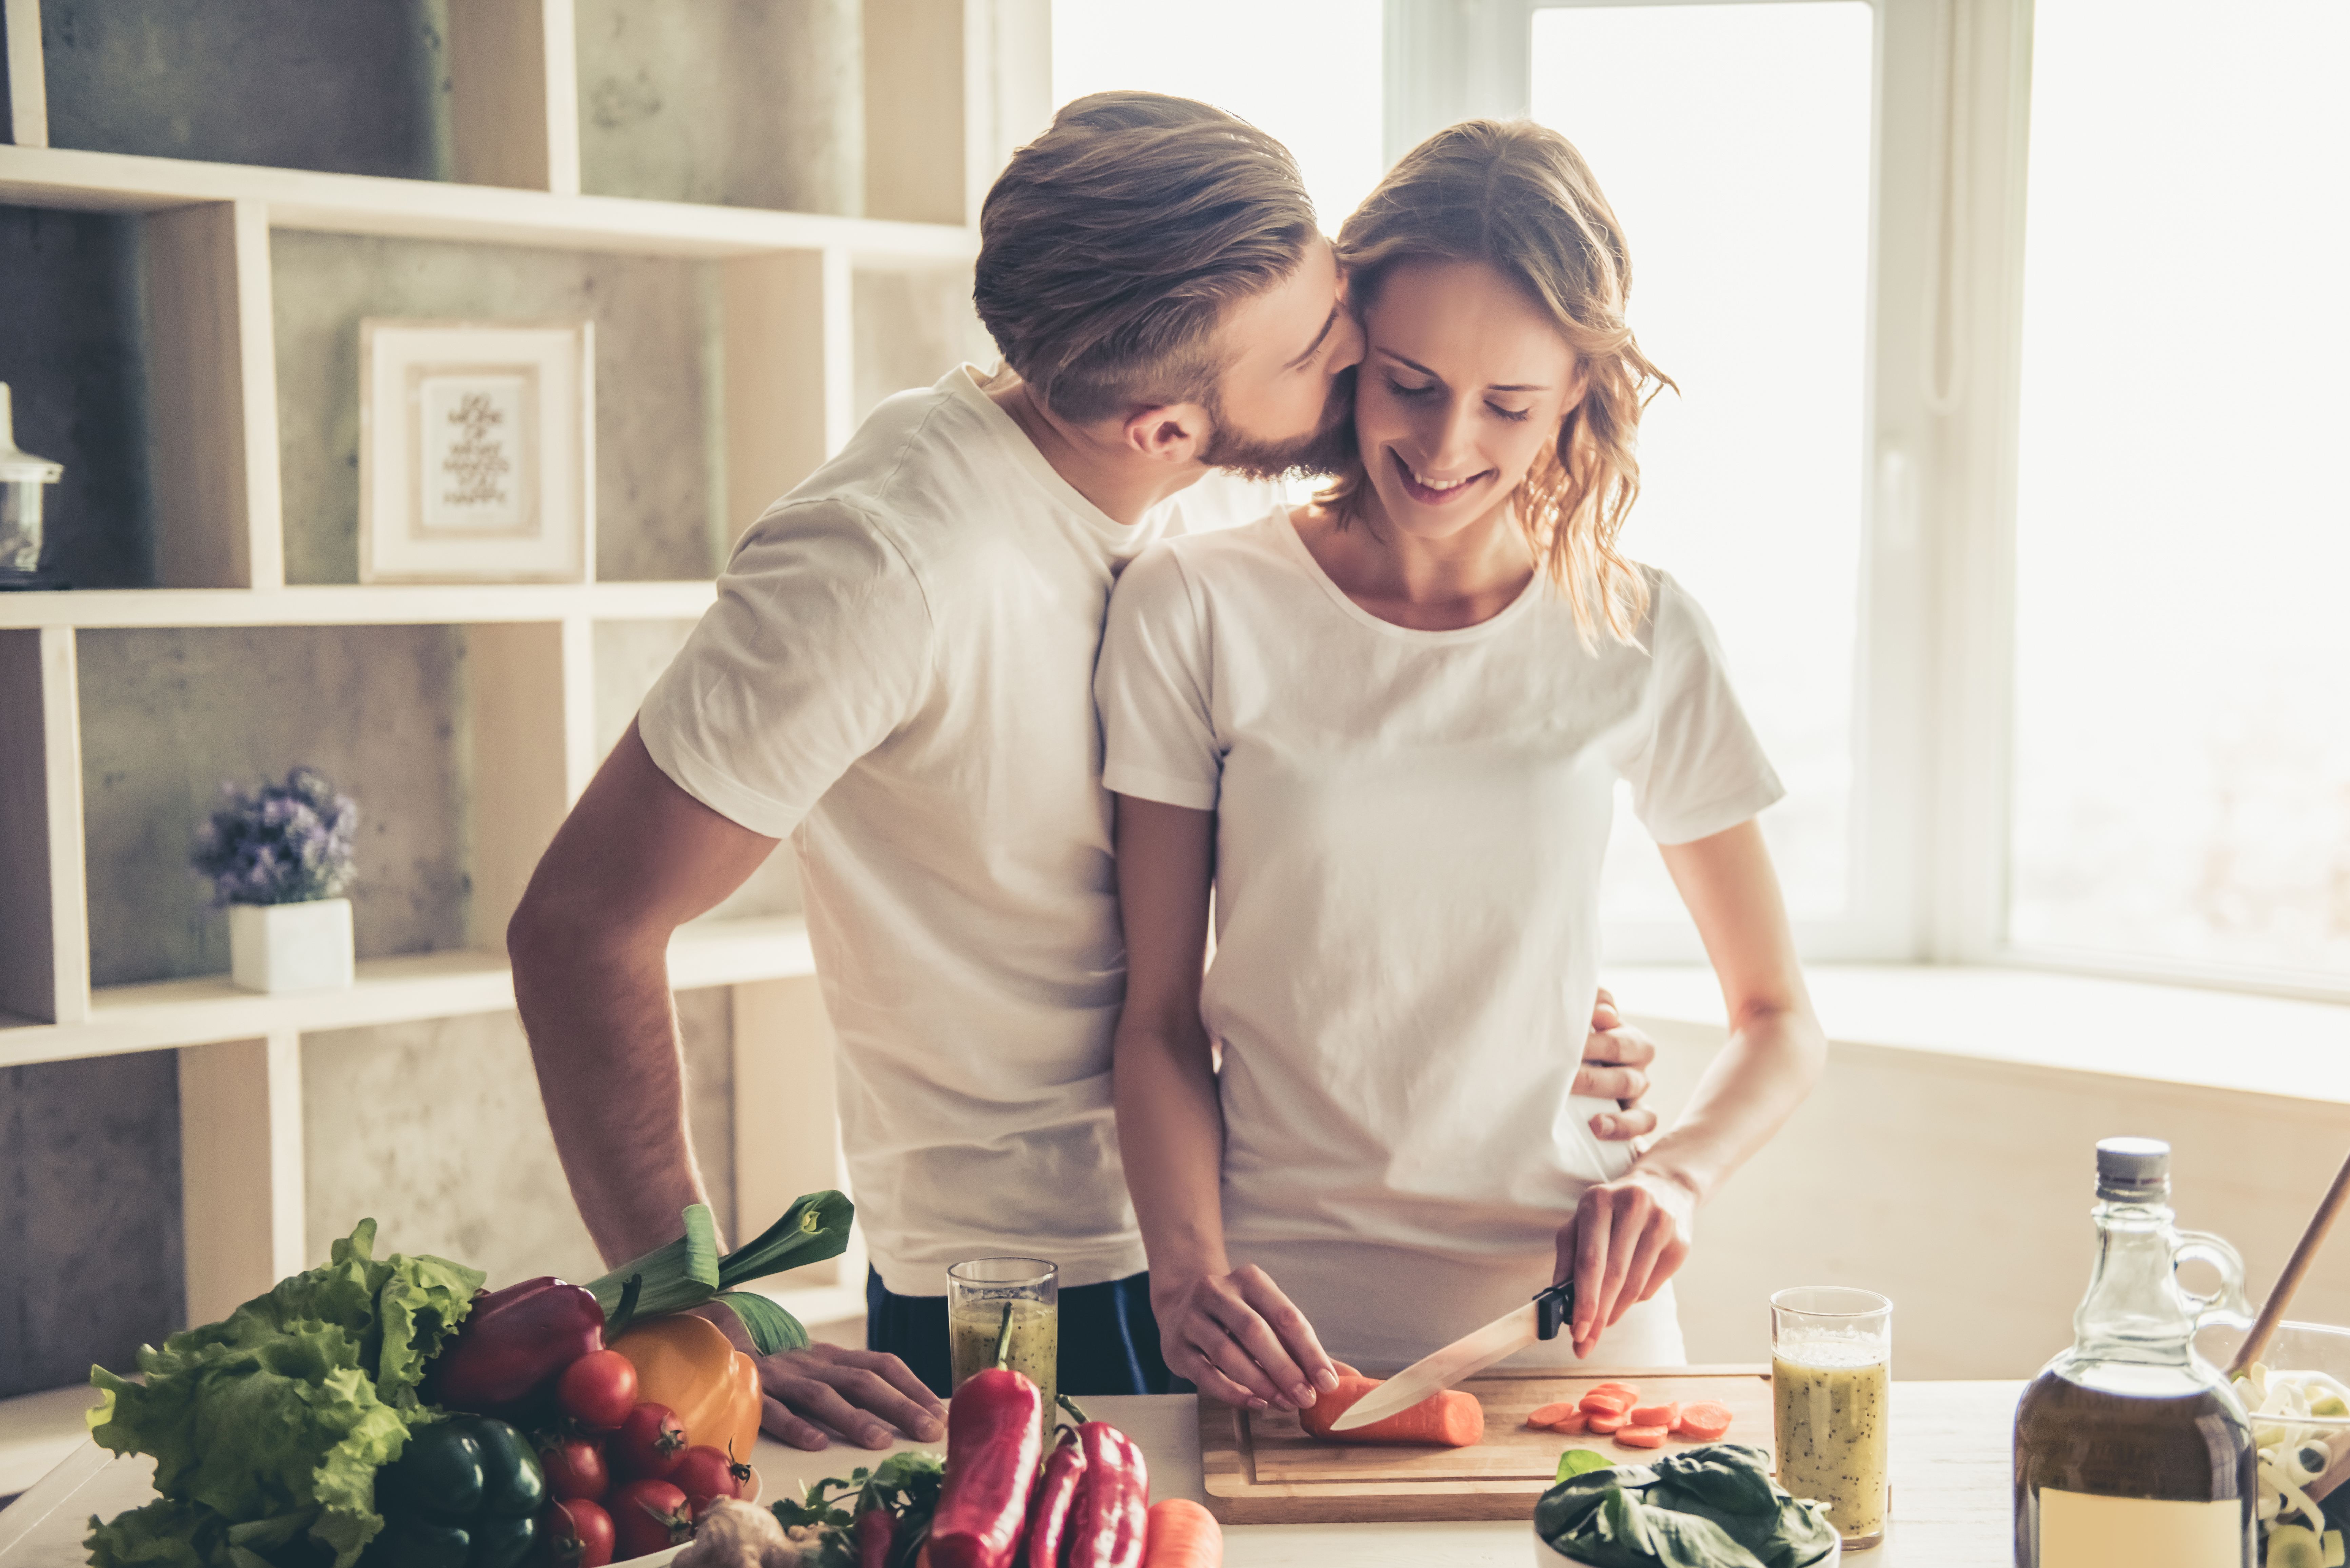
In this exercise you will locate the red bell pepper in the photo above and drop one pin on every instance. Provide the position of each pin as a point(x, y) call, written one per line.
point(1048, 1515)
point(992, 1436)
point(1107, 1520)
point(515, 1341)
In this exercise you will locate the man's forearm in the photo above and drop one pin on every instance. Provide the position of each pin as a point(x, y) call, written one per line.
point(604, 1038)
point(1171, 1132)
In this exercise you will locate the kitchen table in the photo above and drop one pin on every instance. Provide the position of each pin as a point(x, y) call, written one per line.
point(1950, 1493)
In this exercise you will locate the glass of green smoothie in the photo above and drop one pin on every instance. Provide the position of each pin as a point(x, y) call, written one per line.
point(1830, 1370)
point(1006, 1311)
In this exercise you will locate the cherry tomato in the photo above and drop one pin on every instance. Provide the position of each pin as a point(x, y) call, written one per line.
point(575, 1469)
point(649, 1444)
point(598, 1390)
point(576, 1534)
point(650, 1516)
point(703, 1473)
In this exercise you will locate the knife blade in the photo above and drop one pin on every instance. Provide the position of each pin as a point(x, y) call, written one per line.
point(1464, 1358)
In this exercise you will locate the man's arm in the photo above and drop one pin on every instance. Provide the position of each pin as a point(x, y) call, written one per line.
point(637, 858)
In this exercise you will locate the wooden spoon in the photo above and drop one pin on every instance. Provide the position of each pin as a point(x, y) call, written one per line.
point(2280, 1295)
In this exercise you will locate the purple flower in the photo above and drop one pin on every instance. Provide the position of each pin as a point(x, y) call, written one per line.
point(283, 843)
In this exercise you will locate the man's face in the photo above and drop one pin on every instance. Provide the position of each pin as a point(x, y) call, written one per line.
point(1288, 383)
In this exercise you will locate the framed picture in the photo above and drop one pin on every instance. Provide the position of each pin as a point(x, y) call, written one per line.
point(477, 451)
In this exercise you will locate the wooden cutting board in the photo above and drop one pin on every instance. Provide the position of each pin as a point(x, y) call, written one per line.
point(1262, 1469)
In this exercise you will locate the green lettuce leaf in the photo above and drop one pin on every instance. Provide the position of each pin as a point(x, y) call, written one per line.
point(268, 1427)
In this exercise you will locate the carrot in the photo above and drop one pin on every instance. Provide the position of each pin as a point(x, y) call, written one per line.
point(1667, 1416)
point(1545, 1415)
point(1450, 1419)
point(1642, 1437)
point(1182, 1534)
point(1572, 1424)
point(1611, 1422)
point(1626, 1389)
point(1599, 1403)
point(1703, 1422)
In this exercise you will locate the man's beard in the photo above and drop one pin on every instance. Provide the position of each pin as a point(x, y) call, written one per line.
point(1327, 450)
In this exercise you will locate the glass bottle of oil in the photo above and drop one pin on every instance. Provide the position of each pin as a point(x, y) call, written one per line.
point(2130, 1449)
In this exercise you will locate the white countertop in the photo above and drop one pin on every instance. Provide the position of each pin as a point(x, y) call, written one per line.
point(1950, 1502)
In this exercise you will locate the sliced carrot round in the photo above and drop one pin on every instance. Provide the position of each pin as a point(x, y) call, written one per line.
point(1595, 1403)
point(1703, 1423)
point(1642, 1437)
point(1572, 1424)
point(1665, 1415)
point(1626, 1389)
point(1543, 1416)
point(1610, 1422)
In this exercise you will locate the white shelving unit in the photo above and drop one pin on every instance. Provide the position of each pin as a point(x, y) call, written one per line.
point(787, 339)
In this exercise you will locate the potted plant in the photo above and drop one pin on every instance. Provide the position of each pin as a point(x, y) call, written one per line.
point(280, 860)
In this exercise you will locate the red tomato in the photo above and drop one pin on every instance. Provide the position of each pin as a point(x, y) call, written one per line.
point(649, 1445)
point(575, 1469)
point(703, 1473)
point(576, 1534)
point(598, 1390)
point(650, 1516)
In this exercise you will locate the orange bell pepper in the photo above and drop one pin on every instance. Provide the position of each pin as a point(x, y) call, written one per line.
point(687, 1364)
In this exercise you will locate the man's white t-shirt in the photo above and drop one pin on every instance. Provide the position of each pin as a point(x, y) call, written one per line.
point(898, 676)
point(1410, 827)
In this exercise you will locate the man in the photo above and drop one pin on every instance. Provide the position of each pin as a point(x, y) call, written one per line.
point(898, 676)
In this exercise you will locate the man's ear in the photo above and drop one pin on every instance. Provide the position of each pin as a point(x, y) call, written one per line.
point(1171, 432)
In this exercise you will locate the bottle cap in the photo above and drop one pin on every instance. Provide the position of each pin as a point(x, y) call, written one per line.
point(2133, 1169)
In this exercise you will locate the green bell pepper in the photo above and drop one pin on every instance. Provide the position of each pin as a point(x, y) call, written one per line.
point(465, 1493)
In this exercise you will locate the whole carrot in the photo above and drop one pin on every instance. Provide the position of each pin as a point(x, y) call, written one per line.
point(1182, 1534)
point(1451, 1419)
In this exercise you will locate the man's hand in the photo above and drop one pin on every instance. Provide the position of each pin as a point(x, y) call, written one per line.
point(1626, 1239)
point(1238, 1339)
point(846, 1389)
point(1615, 1058)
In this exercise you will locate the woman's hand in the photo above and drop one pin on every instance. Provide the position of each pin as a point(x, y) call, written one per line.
point(1626, 1239)
point(1616, 1059)
point(1238, 1339)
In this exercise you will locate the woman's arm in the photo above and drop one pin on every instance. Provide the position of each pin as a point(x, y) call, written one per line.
point(1628, 1237)
point(1231, 1332)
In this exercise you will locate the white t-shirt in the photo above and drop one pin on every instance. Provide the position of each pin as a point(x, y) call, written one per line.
point(1408, 833)
point(898, 676)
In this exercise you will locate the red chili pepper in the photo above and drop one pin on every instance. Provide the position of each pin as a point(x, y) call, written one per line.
point(992, 1441)
point(877, 1531)
point(1048, 1515)
point(514, 1340)
point(1106, 1521)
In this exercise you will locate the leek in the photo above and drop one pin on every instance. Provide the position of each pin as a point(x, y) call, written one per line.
point(689, 1272)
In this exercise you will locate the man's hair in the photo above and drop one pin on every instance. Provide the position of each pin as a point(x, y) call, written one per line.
point(1110, 246)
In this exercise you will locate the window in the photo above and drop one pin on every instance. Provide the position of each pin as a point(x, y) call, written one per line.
point(2182, 523)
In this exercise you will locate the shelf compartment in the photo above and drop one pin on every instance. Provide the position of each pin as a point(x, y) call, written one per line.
point(44, 951)
point(209, 1010)
point(485, 215)
point(346, 604)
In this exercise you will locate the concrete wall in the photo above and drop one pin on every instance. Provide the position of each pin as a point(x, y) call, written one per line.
point(167, 715)
point(657, 508)
point(73, 351)
point(1962, 1189)
point(91, 1263)
point(357, 87)
point(913, 326)
point(436, 1130)
point(717, 101)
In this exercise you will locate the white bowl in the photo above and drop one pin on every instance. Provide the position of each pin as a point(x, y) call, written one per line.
point(1549, 1556)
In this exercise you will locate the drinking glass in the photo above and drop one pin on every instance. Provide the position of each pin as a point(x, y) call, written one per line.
point(1831, 1362)
point(1006, 1311)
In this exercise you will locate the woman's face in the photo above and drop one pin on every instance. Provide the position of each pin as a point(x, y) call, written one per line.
point(1463, 385)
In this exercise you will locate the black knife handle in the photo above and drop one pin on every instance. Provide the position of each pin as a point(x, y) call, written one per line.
point(1553, 1307)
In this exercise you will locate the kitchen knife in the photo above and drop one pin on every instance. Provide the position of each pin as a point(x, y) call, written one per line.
point(1540, 1318)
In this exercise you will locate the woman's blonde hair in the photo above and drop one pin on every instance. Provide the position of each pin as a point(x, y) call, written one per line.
point(1520, 198)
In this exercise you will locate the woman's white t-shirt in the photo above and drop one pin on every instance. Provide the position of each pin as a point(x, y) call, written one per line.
point(1409, 836)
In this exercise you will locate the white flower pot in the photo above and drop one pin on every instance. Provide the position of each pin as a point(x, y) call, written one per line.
point(291, 946)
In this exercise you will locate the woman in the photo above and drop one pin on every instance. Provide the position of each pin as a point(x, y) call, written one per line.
point(1385, 731)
